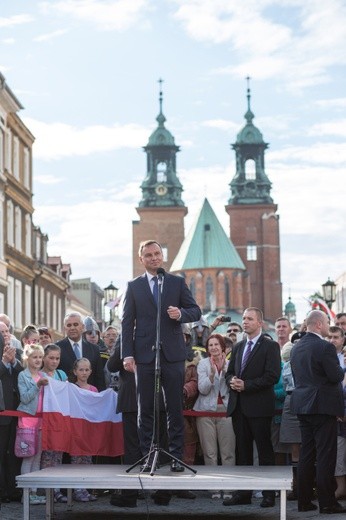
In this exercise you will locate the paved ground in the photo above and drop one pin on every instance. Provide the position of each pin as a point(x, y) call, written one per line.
point(201, 508)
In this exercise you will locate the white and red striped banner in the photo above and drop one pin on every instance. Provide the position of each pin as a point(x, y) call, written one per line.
point(80, 422)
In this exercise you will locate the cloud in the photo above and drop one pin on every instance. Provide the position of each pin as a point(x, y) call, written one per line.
point(50, 36)
point(299, 50)
point(221, 124)
point(337, 128)
point(111, 15)
point(8, 41)
point(18, 19)
point(57, 140)
point(47, 179)
point(327, 154)
point(332, 103)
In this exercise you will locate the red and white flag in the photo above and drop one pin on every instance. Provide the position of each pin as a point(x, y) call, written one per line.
point(322, 305)
point(80, 422)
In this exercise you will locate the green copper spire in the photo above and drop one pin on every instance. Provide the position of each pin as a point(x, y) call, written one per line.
point(250, 184)
point(207, 245)
point(161, 187)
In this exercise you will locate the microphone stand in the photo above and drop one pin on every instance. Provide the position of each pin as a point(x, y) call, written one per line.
point(152, 456)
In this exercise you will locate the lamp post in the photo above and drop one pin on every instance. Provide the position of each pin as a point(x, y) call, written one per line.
point(110, 295)
point(329, 292)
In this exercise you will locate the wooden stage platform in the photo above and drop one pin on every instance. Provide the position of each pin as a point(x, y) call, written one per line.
point(115, 477)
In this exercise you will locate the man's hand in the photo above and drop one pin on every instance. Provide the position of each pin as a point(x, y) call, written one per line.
point(129, 364)
point(237, 384)
point(174, 313)
point(9, 354)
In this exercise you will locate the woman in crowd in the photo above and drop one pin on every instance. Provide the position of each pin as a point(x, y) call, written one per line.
point(215, 433)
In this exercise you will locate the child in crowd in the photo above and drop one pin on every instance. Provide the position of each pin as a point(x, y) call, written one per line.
point(30, 385)
point(51, 362)
point(82, 372)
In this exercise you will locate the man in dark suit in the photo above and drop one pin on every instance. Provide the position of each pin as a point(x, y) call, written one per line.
point(253, 370)
point(317, 399)
point(9, 463)
point(139, 337)
point(74, 347)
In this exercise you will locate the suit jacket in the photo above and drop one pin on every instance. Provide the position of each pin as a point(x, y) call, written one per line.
point(89, 351)
point(9, 383)
point(261, 373)
point(317, 376)
point(127, 397)
point(139, 319)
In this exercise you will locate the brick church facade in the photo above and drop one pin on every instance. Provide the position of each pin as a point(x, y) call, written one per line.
point(224, 273)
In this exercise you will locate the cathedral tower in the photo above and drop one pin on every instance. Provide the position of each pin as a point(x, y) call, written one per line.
point(161, 209)
point(254, 223)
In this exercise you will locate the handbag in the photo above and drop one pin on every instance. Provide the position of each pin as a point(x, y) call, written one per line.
point(26, 444)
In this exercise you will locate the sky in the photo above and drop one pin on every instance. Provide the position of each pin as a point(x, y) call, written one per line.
point(86, 72)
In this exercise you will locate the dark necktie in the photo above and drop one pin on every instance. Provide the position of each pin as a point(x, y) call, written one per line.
point(246, 356)
point(155, 289)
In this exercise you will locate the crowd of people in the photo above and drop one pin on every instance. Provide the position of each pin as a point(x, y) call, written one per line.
point(245, 399)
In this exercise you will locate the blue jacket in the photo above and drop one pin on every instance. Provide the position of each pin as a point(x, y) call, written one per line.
point(28, 392)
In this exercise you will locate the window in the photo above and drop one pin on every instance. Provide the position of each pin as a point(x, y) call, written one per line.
point(26, 168)
point(10, 223)
point(55, 312)
point(161, 172)
point(193, 287)
point(251, 252)
point(18, 303)
point(27, 304)
point(165, 253)
point(16, 157)
point(18, 228)
point(48, 313)
point(42, 315)
point(8, 151)
point(10, 297)
point(250, 169)
point(2, 239)
point(209, 289)
point(2, 151)
point(28, 234)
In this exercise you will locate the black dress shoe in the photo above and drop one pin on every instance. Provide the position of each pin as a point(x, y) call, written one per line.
point(333, 510)
point(161, 497)
point(237, 500)
point(268, 502)
point(120, 501)
point(182, 493)
point(176, 466)
point(307, 507)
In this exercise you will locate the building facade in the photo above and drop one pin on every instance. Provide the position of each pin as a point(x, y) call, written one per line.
point(31, 291)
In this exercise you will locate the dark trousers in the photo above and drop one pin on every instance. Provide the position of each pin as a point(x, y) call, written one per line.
point(172, 379)
point(247, 430)
point(319, 444)
point(9, 464)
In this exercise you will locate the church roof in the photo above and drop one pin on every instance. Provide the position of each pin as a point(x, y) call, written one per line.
point(207, 245)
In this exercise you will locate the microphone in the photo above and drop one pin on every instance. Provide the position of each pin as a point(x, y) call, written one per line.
point(160, 273)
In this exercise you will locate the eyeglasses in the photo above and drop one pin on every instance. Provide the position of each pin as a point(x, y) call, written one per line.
point(233, 330)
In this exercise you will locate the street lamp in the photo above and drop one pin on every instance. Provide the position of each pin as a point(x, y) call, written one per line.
point(110, 295)
point(329, 292)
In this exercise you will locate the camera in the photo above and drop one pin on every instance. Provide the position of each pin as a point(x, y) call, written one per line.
point(225, 318)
